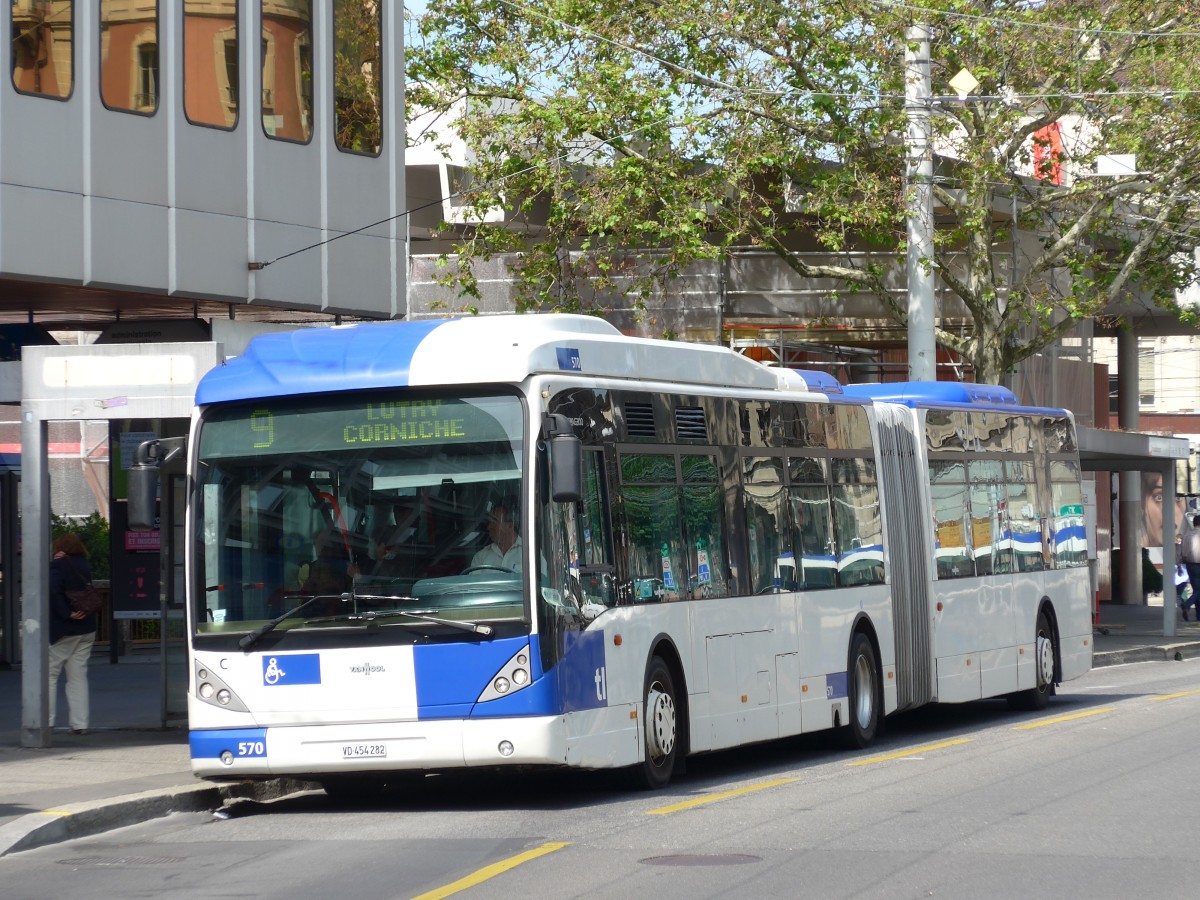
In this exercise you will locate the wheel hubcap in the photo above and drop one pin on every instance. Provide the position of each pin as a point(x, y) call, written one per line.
point(1045, 657)
point(660, 730)
point(864, 691)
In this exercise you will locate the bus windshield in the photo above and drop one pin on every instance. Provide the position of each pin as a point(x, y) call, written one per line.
point(394, 508)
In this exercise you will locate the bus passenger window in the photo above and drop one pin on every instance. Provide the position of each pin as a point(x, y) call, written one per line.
point(772, 560)
point(702, 514)
point(1023, 519)
point(858, 526)
point(814, 537)
point(951, 517)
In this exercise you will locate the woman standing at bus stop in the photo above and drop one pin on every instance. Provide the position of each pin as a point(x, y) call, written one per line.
point(72, 633)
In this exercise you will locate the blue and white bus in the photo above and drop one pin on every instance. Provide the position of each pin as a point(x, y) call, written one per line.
point(709, 552)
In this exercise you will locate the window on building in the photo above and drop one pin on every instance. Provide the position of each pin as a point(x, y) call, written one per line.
point(1146, 358)
point(210, 62)
point(43, 47)
point(358, 75)
point(129, 56)
point(287, 91)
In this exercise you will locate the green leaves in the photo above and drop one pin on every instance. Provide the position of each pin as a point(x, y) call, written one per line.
point(627, 141)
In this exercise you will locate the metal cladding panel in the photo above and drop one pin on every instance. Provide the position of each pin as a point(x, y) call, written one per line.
point(315, 360)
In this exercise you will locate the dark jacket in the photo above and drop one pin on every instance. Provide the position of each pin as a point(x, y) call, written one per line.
point(68, 573)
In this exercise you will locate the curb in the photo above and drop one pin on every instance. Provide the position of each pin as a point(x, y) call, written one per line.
point(76, 820)
point(1161, 653)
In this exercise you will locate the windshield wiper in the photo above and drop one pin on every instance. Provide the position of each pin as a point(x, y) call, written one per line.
point(369, 616)
point(248, 640)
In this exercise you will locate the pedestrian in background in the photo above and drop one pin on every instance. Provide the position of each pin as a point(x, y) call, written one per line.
point(72, 633)
point(1189, 552)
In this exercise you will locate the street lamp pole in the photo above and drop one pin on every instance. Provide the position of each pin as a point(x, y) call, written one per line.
point(922, 358)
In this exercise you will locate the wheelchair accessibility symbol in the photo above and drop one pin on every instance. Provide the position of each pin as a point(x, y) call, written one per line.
point(272, 673)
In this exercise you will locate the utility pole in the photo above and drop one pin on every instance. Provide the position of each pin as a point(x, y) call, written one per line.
point(918, 173)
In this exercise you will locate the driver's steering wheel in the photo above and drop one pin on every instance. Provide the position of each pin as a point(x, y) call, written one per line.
point(472, 569)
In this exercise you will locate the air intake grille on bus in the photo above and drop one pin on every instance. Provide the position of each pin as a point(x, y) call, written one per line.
point(639, 420)
point(690, 424)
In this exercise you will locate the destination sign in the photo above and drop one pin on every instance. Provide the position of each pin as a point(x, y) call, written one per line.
point(293, 425)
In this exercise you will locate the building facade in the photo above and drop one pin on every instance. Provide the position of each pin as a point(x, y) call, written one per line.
point(243, 153)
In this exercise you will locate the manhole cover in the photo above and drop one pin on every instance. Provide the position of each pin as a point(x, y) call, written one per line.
point(702, 859)
point(115, 861)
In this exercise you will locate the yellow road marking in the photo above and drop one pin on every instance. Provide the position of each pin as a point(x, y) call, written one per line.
point(491, 871)
point(910, 752)
point(1179, 694)
point(57, 812)
point(1068, 718)
point(713, 798)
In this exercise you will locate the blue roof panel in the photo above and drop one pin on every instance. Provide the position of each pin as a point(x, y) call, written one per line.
point(314, 360)
point(967, 395)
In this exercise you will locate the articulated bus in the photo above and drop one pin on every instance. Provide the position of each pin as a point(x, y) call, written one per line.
point(693, 551)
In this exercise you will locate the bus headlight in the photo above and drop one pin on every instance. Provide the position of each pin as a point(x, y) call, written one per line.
point(212, 689)
point(513, 676)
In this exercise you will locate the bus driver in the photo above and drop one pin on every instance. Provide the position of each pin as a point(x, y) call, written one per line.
point(504, 552)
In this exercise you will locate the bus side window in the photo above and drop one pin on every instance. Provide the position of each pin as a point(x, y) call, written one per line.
point(651, 502)
point(702, 515)
point(575, 567)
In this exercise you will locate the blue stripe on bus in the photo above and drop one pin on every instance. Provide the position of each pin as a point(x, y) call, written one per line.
point(315, 360)
point(243, 743)
point(837, 685)
point(450, 678)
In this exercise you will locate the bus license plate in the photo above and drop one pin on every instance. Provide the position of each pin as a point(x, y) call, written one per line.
point(364, 751)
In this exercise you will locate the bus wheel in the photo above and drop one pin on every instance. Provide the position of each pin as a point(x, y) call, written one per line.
point(866, 699)
point(1038, 697)
point(660, 721)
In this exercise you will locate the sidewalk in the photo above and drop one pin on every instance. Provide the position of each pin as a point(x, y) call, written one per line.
point(128, 769)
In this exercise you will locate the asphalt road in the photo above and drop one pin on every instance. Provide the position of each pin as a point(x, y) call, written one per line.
point(1098, 797)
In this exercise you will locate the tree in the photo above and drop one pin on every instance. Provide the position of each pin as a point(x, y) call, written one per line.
point(670, 131)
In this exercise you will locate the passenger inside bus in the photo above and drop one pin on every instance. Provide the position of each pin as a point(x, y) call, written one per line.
point(329, 570)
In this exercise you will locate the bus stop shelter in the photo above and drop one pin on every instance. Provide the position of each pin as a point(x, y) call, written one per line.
point(1123, 452)
point(92, 382)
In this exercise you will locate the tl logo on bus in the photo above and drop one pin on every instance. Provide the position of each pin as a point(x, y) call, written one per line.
point(601, 684)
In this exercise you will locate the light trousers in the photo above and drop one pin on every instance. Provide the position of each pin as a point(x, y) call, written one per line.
point(72, 654)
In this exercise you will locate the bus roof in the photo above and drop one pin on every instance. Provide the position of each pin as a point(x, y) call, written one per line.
point(941, 394)
point(476, 350)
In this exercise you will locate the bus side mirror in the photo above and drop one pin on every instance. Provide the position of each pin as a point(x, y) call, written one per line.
point(148, 459)
point(566, 459)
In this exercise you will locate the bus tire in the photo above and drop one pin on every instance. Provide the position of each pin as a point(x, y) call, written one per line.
point(660, 717)
point(866, 697)
point(1038, 697)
